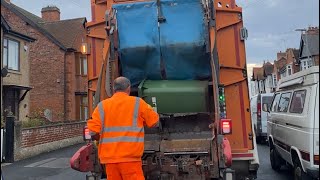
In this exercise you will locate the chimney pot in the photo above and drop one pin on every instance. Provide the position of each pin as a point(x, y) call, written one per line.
point(50, 13)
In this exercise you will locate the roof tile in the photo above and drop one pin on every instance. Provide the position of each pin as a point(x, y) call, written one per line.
point(64, 33)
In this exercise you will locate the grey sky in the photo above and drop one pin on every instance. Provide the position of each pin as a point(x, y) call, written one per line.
point(271, 23)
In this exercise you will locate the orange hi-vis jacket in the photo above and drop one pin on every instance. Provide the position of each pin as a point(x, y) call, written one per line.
point(120, 122)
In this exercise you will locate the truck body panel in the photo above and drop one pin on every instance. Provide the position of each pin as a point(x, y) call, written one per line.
point(162, 41)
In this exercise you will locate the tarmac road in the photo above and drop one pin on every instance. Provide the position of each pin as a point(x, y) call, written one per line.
point(55, 166)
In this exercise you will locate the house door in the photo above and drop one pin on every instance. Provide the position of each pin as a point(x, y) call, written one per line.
point(11, 113)
point(11, 101)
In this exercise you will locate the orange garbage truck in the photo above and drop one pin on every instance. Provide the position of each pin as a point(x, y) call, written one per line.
point(186, 58)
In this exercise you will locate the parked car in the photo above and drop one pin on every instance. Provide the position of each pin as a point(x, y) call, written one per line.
point(293, 124)
point(259, 115)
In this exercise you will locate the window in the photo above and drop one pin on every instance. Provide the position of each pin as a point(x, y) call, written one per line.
point(266, 101)
point(82, 107)
point(93, 98)
point(274, 80)
point(283, 74)
point(289, 70)
point(284, 102)
point(275, 103)
point(306, 63)
point(11, 54)
point(310, 63)
point(303, 65)
point(270, 83)
point(297, 102)
point(84, 69)
point(81, 64)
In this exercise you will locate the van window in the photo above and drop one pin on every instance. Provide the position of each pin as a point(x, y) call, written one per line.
point(266, 101)
point(284, 102)
point(297, 102)
point(275, 103)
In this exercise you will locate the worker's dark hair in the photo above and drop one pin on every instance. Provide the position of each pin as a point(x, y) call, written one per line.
point(121, 84)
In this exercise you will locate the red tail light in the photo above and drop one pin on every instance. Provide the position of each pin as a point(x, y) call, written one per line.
point(86, 133)
point(259, 109)
point(226, 126)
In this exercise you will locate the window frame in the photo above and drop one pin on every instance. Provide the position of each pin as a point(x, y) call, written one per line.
point(288, 102)
point(82, 58)
point(7, 47)
point(289, 68)
point(273, 100)
point(309, 63)
point(263, 101)
point(80, 65)
point(306, 64)
point(82, 108)
point(304, 102)
point(275, 82)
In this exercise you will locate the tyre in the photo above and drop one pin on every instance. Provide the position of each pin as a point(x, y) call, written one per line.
point(298, 173)
point(257, 137)
point(258, 140)
point(275, 159)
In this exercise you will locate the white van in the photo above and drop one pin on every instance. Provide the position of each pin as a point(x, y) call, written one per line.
point(259, 114)
point(293, 124)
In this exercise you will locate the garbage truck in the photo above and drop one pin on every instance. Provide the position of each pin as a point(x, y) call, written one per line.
point(186, 59)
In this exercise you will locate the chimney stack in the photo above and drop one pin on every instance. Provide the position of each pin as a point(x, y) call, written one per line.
point(50, 13)
point(313, 30)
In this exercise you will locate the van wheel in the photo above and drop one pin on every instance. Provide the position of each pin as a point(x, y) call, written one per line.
point(258, 140)
point(299, 174)
point(275, 159)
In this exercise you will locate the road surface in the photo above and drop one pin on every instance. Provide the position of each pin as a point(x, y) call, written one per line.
point(55, 166)
point(265, 171)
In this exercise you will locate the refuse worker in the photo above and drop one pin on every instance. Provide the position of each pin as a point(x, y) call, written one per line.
point(120, 122)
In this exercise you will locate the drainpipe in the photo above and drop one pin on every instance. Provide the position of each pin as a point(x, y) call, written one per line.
point(65, 87)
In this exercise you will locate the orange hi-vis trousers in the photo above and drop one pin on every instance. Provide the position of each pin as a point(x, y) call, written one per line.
point(125, 171)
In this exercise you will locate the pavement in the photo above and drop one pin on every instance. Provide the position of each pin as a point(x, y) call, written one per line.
point(48, 166)
point(55, 166)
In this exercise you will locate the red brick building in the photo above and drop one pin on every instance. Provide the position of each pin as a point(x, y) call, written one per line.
point(58, 71)
point(292, 56)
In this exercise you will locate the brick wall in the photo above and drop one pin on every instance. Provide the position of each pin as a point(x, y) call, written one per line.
point(46, 68)
point(35, 136)
point(75, 83)
point(291, 60)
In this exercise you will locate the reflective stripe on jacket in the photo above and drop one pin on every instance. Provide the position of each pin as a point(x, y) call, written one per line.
point(120, 122)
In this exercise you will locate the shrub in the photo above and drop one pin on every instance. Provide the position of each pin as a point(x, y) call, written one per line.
point(33, 122)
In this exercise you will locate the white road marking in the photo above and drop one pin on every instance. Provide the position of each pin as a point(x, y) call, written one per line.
point(40, 162)
point(58, 163)
point(5, 164)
